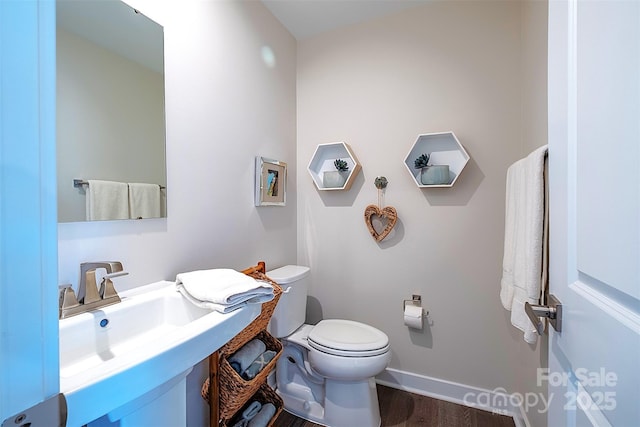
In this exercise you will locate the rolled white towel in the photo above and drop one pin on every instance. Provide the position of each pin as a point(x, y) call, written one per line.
point(264, 416)
point(258, 365)
point(243, 358)
point(252, 410)
point(241, 423)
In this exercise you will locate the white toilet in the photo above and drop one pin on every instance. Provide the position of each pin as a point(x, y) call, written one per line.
point(326, 372)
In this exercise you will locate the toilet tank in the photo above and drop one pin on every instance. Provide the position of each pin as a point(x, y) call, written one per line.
point(291, 310)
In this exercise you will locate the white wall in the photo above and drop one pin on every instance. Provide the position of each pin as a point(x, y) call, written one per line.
point(224, 106)
point(377, 86)
point(110, 121)
point(534, 74)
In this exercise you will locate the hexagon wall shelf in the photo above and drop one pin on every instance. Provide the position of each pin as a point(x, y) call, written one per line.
point(444, 149)
point(322, 161)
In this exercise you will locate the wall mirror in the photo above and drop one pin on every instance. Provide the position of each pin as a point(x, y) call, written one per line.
point(110, 101)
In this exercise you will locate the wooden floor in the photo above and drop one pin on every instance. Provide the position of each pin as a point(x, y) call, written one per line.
point(401, 409)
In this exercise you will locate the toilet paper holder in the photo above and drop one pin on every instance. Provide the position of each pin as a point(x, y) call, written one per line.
point(415, 300)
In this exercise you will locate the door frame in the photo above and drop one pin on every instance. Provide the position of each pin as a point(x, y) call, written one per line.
point(28, 206)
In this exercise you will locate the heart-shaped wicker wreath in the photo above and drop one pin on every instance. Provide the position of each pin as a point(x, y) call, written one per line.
point(388, 212)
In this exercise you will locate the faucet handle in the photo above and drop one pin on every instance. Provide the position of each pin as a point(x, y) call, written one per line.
point(117, 274)
point(107, 290)
point(115, 267)
point(67, 299)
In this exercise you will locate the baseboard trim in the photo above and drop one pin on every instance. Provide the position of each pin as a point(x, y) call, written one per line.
point(497, 401)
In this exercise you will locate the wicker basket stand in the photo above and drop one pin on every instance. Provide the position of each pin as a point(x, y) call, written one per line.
point(225, 390)
point(264, 395)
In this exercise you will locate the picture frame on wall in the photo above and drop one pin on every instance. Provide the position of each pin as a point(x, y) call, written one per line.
point(271, 182)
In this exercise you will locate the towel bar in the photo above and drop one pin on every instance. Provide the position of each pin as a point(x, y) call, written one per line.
point(79, 183)
point(553, 312)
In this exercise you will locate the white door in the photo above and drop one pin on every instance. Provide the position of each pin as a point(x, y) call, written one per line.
point(594, 167)
point(28, 229)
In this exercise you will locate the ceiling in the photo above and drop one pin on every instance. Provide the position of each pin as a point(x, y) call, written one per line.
point(307, 18)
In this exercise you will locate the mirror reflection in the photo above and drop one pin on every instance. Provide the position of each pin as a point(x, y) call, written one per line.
point(110, 112)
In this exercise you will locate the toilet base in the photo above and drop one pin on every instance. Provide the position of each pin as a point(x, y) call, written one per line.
point(347, 404)
point(353, 403)
point(344, 396)
point(296, 401)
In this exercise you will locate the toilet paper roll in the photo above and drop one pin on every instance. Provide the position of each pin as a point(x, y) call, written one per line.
point(413, 316)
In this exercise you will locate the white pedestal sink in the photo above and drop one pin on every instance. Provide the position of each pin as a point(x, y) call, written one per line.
point(125, 365)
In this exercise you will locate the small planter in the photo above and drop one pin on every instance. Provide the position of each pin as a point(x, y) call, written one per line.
point(435, 175)
point(334, 179)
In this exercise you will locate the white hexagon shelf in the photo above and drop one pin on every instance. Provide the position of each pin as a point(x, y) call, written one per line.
point(322, 161)
point(443, 149)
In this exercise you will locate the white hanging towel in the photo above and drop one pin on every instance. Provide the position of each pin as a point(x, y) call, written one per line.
point(523, 273)
point(144, 200)
point(107, 200)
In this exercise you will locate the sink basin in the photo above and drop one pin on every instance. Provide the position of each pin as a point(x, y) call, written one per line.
point(114, 355)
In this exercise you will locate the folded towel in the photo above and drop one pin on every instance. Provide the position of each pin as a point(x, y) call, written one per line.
point(249, 352)
point(264, 416)
point(224, 309)
point(144, 200)
point(252, 410)
point(222, 289)
point(241, 423)
point(258, 364)
point(107, 200)
point(522, 265)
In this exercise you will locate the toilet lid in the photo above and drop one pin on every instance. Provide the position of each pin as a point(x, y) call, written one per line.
point(348, 338)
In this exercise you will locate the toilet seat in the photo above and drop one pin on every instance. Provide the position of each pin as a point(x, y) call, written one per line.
point(348, 338)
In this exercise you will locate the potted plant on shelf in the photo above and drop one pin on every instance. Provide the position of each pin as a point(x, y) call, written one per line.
point(336, 178)
point(431, 174)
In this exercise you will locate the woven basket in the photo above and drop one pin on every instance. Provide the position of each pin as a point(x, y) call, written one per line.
point(234, 391)
point(259, 323)
point(264, 395)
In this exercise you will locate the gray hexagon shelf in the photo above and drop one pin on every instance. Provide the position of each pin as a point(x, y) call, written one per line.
point(322, 161)
point(443, 148)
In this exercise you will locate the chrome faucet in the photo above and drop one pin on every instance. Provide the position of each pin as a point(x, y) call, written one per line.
point(90, 297)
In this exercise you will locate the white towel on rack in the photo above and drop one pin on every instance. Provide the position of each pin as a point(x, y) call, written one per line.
point(524, 245)
point(106, 200)
point(144, 200)
point(222, 289)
